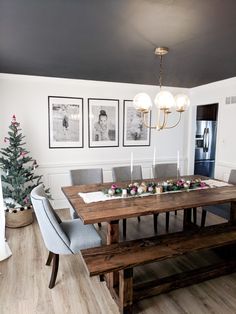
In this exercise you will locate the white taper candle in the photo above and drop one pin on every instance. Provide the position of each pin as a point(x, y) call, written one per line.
point(132, 163)
point(154, 156)
point(178, 160)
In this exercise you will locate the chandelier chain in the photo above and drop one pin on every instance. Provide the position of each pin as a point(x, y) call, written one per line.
point(160, 72)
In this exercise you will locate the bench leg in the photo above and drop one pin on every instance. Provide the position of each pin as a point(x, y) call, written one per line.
point(126, 290)
point(112, 237)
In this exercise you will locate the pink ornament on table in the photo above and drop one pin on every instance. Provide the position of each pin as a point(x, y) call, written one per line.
point(133, 192)
point(203, 184)
point(150, 189)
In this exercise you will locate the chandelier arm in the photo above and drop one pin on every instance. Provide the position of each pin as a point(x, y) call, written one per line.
point(158, 119)
point(161, 126)
point(166, 119)
point(173, 126)
point(145, 123)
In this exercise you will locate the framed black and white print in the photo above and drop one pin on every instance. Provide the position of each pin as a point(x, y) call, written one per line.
point(103, 116)
point(134, 131)
point(65, 115)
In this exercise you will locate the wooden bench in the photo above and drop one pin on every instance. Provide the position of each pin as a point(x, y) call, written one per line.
point(124, 256)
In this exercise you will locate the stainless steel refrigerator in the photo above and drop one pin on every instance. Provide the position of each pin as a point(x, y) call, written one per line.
point(205, 148)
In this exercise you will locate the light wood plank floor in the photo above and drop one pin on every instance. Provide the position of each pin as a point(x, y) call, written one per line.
point(24, 278)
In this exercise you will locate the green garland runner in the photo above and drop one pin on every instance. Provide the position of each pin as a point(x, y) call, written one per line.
point(156, 188)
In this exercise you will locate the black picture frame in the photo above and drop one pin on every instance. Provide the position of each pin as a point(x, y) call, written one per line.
point(103, 122)
point(65, 122)
point(134, 131)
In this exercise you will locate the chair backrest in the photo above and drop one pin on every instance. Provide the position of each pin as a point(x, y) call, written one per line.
point(54, 237)
point(123, 173)
point(86, 176)
point(165, 170)
point(232, 176)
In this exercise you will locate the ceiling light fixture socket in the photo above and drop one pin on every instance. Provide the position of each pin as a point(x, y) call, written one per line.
point(161, 51)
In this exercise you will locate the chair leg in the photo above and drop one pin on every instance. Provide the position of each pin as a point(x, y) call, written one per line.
point(102, 278)
point(50, 257)
point(54, 270)
point(167, 221)
point(203, 220)
point(195, 215)
point(99, 225)
point(175, 212)
point(139, 219)
point(124, 227)
point(155, 216)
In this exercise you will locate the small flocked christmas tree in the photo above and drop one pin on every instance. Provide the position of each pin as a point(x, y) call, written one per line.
point(18, 167)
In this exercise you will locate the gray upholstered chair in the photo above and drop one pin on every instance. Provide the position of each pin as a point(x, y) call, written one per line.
point(123, 174)
point(85, 176)
point(222, 210)
point(60, 237)
point(165, 171)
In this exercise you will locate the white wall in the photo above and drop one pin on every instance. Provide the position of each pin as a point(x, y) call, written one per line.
point(226, 132)
point(27, 97)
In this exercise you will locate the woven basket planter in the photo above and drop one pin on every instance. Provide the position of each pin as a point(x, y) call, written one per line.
point(20, 217)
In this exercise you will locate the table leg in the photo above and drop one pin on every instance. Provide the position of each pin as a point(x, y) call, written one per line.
point(112, 237)
point(233, 213)
point(187, 217)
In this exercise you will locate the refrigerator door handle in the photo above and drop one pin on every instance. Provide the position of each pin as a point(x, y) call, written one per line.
point(204, 140)
point(207, 140)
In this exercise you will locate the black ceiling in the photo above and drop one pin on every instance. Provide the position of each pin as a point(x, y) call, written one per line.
point(114, 40)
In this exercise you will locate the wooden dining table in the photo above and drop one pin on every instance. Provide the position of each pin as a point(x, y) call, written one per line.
point(111, 211)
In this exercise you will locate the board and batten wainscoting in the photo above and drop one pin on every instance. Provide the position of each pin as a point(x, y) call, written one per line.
point(57, 175)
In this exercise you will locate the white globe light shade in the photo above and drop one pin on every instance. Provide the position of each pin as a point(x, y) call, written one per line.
point(164, 100)
point(142, 101)
point(182, 102)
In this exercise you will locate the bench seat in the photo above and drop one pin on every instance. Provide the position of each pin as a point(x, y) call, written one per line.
point(124, 256)
point(114, 257)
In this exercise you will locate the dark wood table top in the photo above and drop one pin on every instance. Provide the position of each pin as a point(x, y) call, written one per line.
point(139, 206)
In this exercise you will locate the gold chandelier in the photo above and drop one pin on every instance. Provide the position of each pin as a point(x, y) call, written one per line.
point(164, 101)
